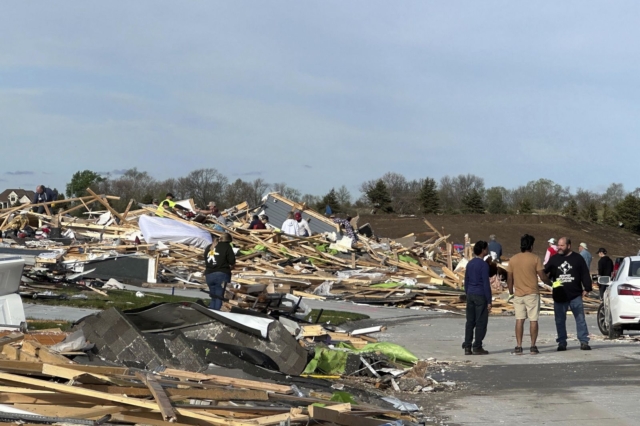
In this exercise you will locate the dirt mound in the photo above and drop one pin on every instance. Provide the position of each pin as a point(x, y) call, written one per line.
point(509, 229)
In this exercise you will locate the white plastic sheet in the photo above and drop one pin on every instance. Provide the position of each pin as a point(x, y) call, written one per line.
point(160, 229)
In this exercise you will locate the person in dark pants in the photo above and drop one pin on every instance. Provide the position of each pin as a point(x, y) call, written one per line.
point(220, 260)
point(478, 291)
point(605, 268)
point(571, 282)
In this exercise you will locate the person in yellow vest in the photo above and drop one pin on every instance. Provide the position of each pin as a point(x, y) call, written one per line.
point(168, 204)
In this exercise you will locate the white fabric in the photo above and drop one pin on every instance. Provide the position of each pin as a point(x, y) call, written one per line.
point(290, 227)
point(160, 229)
point(303, 228)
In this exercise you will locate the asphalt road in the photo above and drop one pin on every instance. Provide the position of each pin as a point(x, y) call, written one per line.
point(554, 388)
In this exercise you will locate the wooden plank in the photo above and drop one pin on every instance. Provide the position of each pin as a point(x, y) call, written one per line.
point(138, 419)
point(341, 417)
point(242, 383)
point(219, 394)
point(107, 206)
point(159, 395)
point(76, 412)
point(293, 416)
point(36, 367)
point(68, 373)
point(11, 352)
point(11, 338)
point(150, 405)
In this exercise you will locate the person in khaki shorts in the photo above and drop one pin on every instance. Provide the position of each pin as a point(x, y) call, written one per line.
point(523, 272)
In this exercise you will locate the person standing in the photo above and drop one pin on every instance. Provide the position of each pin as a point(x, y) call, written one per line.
point(523, 272)
point(478, 291)
point(584, 252)
point(571, 282)
point(219, 259)
point(551, 250)
point(605, 268)
point(303, 225)
point(495, 247)
point(290, 226)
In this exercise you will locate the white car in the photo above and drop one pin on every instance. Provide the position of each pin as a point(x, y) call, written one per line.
point(620, 308)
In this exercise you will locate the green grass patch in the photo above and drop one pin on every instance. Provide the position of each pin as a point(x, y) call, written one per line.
point(121, 299)
point(45, 325)
point(335, 317)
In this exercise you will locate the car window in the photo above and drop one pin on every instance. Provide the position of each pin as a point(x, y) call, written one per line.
point(634, 269)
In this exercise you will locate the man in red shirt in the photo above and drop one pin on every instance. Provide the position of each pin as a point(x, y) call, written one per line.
point(551, 250)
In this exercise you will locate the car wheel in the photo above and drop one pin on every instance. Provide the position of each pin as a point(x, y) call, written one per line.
point(614, 332)
point(602, 323)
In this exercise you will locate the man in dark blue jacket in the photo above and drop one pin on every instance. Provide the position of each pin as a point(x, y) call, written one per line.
point(478, 290)
point(43, 195)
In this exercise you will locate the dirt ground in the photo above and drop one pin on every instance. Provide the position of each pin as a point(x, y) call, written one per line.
point(508, 230)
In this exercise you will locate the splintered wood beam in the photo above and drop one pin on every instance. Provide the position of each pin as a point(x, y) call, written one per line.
point(106, 204)
point(149, 405)
point(160, 396)
point(126, 211)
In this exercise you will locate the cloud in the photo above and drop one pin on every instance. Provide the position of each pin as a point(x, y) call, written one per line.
point(306, 166)
point(257, 173)
point(19, 173)
point(119, 172)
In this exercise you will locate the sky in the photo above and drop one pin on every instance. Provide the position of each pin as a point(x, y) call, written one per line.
point(321, 94)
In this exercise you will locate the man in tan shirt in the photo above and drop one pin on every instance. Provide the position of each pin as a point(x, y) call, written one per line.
point(523, 272)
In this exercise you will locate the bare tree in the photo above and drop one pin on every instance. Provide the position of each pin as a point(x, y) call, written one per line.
point(454, 189)
point(614, 194)
point(344, 197)
point(204, 185)
point(286, 191)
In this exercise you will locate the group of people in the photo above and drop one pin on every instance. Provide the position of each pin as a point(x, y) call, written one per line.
point(566, 271)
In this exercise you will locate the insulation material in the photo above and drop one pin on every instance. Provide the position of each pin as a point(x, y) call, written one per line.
point(159, 229)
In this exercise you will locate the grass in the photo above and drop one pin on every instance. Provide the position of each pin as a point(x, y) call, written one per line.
point(45, 325)
point(335, 317)
point(121, 299)
point(125, 299)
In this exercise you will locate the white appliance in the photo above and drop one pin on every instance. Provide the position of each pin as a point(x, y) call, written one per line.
point(11, 309)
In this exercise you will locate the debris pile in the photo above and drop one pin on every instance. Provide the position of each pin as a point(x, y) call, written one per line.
point(119, 368)
point(151, 249)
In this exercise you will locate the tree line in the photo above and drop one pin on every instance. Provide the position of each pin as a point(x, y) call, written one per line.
point(391, 193)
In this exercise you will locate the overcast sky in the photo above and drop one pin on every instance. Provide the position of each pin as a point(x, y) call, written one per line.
point(320, 94)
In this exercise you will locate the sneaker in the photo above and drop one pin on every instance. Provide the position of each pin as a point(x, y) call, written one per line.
point(517, 351)
point(585, 347)
point(480, 351)
point(534, 350)
point(562, 347)
point(467, 351)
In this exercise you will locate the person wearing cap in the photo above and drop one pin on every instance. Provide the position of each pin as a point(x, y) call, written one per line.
point(584, 252)
point(210, 210)
point(605, 267)
point(303, 225)
point(495, 248)
point(551, 250)
point(219, 259)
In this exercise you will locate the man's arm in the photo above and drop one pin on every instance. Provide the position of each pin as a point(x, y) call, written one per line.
point(543, 277)
point(547, 256)
point(585, 277)
point(306, 226)
point(466, 279)
point(510, 282)
point(485, 282)
point(231, 257)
